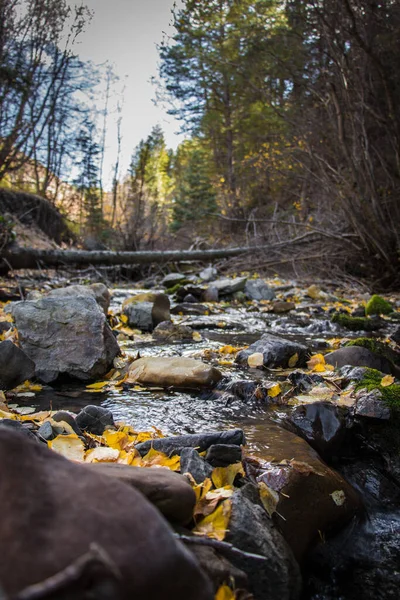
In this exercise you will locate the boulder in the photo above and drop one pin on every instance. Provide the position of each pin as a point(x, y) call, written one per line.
point(94, 419)
point(257, 289)
point(65, 336)
point(193, 463)
point(223, 455)
point(66, 509)
point(173, 279)
point(15, 366)
point(200, 441)
point(210, 294)
point(147, 314)
point(370, 404)
point(98, 291)
point(357, 356)
point(169, 332)
point(250, 530)
point(227, 287)
point(174, 372)
point(169, 492)
point(312, 499)
point(277, 352)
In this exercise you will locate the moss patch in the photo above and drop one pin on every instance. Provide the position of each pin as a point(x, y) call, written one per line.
point(377, 348)
point(378, 306)
point(356, 323)
point(372, 381)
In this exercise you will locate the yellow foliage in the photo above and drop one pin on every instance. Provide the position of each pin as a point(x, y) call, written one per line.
point(70, 446)
point(293, 360)
point(216, 524)
point(387, 380)
point(223, 476)
point(224, 592)
point(269, 498)
point(274, 390)
point(158, 459)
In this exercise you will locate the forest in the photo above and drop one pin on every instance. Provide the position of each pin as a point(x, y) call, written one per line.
point(292, 131)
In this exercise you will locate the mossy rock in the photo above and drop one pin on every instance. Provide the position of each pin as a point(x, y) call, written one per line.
point(377, 347)
point(172, 290)
point(377, 305)
point(357, 323)
point(372, 381)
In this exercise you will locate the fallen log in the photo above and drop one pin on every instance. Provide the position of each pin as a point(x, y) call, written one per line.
point(30, 258)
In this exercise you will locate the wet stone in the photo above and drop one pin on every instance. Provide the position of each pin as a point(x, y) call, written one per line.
point(371, 405)
point(304, 382)
point(45, 432)
point(223, 455)
point(18, 426)
point(357, 356)
point(67, 417)
point(173, 279)
point(15, 366)
point(257, 289)
point(169, 332)
point(277, 351)
point(200, 441)
point(94, 419)
point(193, 463)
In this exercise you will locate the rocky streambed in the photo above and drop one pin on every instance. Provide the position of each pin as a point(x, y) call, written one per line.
point(302, 380)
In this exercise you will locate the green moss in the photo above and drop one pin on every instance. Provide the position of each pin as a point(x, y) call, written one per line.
point(356, 323)
point(378, 306)
point(377, 348)
point(372, 381)
point(172, 290)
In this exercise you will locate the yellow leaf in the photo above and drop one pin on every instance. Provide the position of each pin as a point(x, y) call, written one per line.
point(202, 489)
point(274, 390)
point(196, 336)
point(216, 524)
point(387, 380)
point(124, 319)
point(269, 498)
point(316, 359)
point(154, 458)
point(222, 476)
point(119, 440)
point(7, 415)
point(319, 368)
point(255, 360)
point(293, 360)
point(339, 497)
point(70, 446)
point(102, 454)
point(224, 592)
point(99, 385)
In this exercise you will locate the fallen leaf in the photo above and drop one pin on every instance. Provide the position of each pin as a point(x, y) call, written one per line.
point(387, 380)
point(292, 362)
point(255, 360)
point(70, 446)
point(99, 385)
point(268, 497)
point(274, 390)
point(197, 337)
point(224, 592)
point(339, 497)
point(223, 476)
point(216, 524)
point(315, 361)
point(102, 454)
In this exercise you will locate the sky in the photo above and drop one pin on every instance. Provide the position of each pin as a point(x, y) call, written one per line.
point(125, 33)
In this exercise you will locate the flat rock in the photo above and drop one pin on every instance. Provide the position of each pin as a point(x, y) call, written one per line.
point(174, 372)
point(200, 441)
point(169, 492)
point(226, 286)
point(15, 366)
point(68, 507)
point(257, 289)
point(277, 352)
point(313, 498)
point(65, 336)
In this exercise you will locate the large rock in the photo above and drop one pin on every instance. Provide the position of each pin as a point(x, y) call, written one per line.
point(200, 441)
point(357, 356)
point(53, 511)
point(174, 372)
point(250, 529)
point(98, 291)
point(227, 287)
point(170, 492)
point(277, 352)
point(313, 499)
point(15, 366)
point(67, 335)
point(257, 289)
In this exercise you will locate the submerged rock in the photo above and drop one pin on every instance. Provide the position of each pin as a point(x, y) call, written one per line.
point(15, 366)
point(65, 336)
point(277, 352)
point(73, 508)
point(175, 372)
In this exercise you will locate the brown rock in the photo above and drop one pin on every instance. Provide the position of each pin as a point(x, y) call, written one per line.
point(52, 512)
point(170, 492)
point(175, 372)
point(313, 498)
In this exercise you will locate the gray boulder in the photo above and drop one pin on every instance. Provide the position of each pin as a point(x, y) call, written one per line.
point(67, 335)
point(147, 314)
point(257, 289)
point(357, 356)
point(193, 463)
point(15, 366)
point(250, 530)
point(98, 291)
point(226, 286)
point(277, 352)
point(200, 441)
point(173, 279)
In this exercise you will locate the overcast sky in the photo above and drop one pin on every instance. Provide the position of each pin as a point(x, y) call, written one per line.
point(125, 33)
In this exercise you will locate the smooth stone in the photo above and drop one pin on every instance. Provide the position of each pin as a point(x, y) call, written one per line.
point(45, 432)
point(169, 492)
point(193, 463)
point(357, 356)
point(226, 286)
point(171, 332)
point(208, 274)
point(69, 418)
point(189, 308)
point(74, 506)
point(200, 441)
point(175, 372)
point(15, 366)
point(98, 291)
point(173, 279)
point(94, 419)
point(223, 455)
point(283, 307)
point(251, 530)
point(313, 499)
point(257, 289)
point(66, 336)
point(276, 351)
